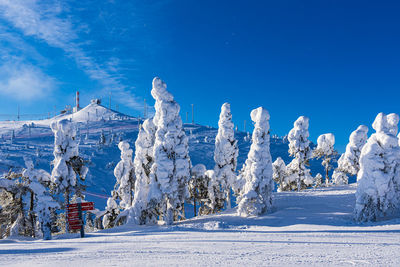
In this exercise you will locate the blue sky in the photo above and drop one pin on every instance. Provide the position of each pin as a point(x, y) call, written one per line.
point(336, 62)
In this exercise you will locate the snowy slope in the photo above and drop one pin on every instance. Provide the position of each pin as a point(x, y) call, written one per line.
point(308, 228)
point(35, 139)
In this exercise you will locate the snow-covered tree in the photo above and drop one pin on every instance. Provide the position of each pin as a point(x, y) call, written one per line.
point(225, 153)
point(124, 173)
point(67, 162)
point(279, 173)
point(26, 203)
point(377, 192)
point(299, 148)
point(215, 197)
point(145, 208)
point(198, 188)
point(111, 213)
point(171, 168)
point(318, 180)
point(42, 202)
point(256, 196)
point(348, 163)
point(325, 149)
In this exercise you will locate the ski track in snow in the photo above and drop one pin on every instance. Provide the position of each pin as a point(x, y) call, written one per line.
point(313, 227)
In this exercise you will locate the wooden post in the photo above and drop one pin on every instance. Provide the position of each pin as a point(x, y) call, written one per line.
point(81, 217)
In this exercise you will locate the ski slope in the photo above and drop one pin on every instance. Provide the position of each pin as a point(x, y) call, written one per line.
point(313, 227)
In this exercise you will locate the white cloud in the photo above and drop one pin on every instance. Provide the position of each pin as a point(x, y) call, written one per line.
point(49, 22)
point(24, 82)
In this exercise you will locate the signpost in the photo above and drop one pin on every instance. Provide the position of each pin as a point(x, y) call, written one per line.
point(75, 218)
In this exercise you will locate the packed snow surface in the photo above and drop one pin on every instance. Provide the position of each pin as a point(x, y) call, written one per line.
point(312, 227)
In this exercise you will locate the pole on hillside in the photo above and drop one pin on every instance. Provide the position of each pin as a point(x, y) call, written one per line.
point(192, 113)
point(144, 110)
point(244, 126)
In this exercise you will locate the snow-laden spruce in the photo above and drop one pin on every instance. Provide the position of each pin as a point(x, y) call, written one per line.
point(377, 194)
point(299, 148)
point(171, 168)
point(125, 175)
point(256, 196)
point(26, 204)
point(280, 174)
point(325, 149)
point(348, 163)
point(145, 207)
point(225, 153)
point(43, 202)
point(67, 163)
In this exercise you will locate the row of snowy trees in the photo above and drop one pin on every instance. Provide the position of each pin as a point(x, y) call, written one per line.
point(161, 178)
point(155, 184)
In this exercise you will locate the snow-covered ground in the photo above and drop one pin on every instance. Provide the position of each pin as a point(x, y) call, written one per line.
point(313, 227)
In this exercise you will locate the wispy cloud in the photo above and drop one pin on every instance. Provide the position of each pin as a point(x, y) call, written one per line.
point(50, 22)
point(24, 82)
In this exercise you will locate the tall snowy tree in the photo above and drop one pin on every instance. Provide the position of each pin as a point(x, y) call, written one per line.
point(124, 173)
point(299, 148)
point(256, 196)
point(171, 168)
point(280, 174)
point(325, 149)
point(377, 194)
point(225, 153)
point(67, 162)
point(348, 163)
point(145, 208)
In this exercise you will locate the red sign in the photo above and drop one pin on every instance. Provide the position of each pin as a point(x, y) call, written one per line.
point(87, 206)
point(75, 227)
point(74, 212)
point(74, 220)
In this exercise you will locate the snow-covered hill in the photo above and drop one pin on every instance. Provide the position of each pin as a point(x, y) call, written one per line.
point(309, 228)
point(35, 139)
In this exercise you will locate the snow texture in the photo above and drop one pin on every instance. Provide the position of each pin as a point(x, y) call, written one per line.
point(226, 153)
point(256, 196)
point(348, 163)
point(171, 168)
point(378, 193)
